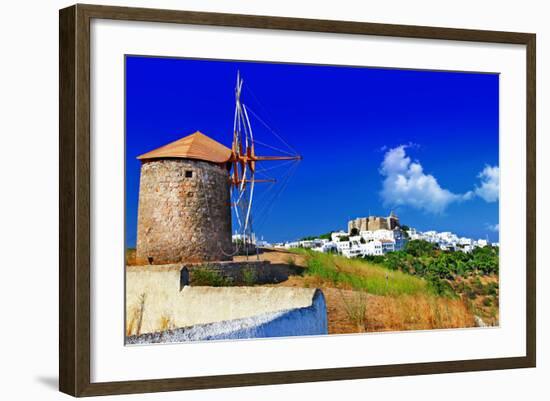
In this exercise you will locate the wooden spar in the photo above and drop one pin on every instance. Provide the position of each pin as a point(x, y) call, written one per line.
point(272, 158)
point(248, 161)
point(256, 180)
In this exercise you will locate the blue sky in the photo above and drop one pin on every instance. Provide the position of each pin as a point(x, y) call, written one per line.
point(421, 143)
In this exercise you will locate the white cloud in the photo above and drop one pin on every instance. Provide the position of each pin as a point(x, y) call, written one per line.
point(490, 184)
point(405, 183)
point(493, 227)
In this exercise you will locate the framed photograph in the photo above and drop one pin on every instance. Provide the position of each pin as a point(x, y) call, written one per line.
point(250, 200)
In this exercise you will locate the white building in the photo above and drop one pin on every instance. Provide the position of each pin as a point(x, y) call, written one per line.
point(327, 247)
point(412, 233)
point(465, 241)
point(251, 239)
point(314, 243)
point(395, 237)
point(336, 235)
point(357, 249)
point(447, 240)
point(444, 246)
point(447, 237)
point(467, 248)
point(263, 244)
point(482, 243)
point(380, 242)
point(374, 248)
point(388, 245)
point(343, 246)
point(354, 251)
point(370, 235)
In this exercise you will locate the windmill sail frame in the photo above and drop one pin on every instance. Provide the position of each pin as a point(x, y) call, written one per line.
point(243, 165)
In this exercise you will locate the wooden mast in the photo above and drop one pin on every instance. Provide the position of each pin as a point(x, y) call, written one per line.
point(243, 163)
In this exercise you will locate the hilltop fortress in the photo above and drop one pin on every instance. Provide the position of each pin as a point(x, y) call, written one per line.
point(373, 223)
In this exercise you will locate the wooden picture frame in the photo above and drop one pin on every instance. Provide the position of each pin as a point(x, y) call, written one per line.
point(74, 200)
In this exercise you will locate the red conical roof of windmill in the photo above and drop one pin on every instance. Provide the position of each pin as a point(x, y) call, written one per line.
point(195, 146)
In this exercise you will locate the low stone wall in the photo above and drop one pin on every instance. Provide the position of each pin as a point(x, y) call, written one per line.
point(261, 312)
point(238, 273)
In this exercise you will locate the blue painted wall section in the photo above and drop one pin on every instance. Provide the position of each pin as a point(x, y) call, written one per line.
point(308, 321)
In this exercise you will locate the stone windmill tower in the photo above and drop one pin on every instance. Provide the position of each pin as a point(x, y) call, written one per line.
point(188, 188)
point(184, 213)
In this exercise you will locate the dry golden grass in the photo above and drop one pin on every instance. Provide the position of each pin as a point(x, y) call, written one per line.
point(134, 318)
point(131, 257)
point(166, 323)
point(386, 313)
point(356, 308)
point(416, 312)
point(404, 303)
point(131, 321)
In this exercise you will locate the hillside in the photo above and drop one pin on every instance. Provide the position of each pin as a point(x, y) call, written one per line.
point(384, 294)
point(366, 296)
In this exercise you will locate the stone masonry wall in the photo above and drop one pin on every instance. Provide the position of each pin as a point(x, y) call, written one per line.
point(236, 273)
point(373, 223)
point(184, 212)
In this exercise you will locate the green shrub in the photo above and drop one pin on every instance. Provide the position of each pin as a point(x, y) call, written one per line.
point(491, 289)
point(356, 308)
point(469, 292)
point(420, 248)
point(375, 259)
point(487, 302)
point(249, 276)
point(205, 276)
point(441, 287)
point(421, 258)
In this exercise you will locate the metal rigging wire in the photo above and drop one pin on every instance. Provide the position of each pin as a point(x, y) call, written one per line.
point(272, 147)
point(281, 164)
point(262, 215)
point(272, 131)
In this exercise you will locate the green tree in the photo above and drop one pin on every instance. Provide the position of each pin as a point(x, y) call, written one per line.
point(398, 260)
point(420, 248)
point(485, 260)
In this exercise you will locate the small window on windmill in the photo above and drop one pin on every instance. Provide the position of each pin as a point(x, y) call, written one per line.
point(188, 174)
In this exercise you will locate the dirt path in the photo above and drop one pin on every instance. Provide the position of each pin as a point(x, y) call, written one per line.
point(277, 256)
